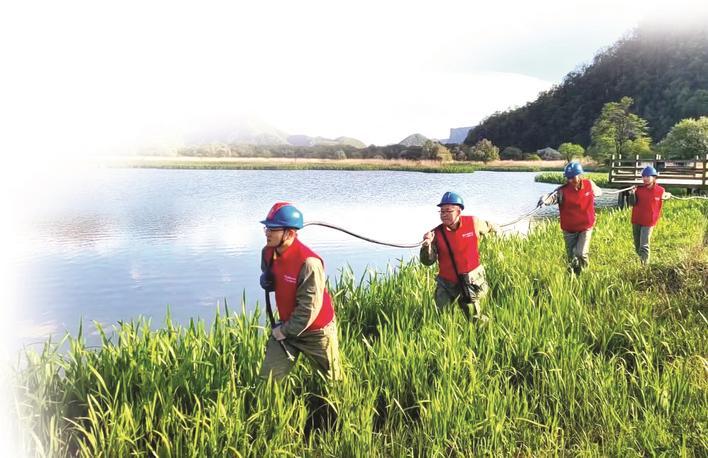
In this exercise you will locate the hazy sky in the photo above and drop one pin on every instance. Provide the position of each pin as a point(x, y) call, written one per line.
point(85, 77)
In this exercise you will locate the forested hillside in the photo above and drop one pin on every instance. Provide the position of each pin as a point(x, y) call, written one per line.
point(665, 71)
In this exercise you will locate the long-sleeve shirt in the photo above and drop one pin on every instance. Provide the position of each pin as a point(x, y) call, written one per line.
point(309, 296)
point(429, 253)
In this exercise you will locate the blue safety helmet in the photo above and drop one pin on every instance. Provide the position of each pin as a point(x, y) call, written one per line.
point(572, 170)
point(649, 171)
point(283, 214)
point(451, 198)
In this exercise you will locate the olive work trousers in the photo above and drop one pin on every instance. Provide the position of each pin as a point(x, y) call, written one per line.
point(642, 236)
point(320, 346)
point(447, 292)
point(577, 248)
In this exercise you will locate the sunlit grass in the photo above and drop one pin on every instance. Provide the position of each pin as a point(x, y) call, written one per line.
point(611, 363)
point(600, 178)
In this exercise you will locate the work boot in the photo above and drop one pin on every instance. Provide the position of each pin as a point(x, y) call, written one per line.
point(575, 266)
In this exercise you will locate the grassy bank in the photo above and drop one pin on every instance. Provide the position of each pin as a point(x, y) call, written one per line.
point(599, 178)
point(330, 164)
point(612, 363)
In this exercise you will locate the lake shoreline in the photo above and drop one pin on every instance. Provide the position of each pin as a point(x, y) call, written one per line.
point(401, 165)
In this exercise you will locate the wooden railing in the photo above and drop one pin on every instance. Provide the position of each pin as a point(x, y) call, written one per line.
point(688, 173)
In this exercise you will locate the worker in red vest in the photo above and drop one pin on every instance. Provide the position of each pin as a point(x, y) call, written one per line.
point(576, 201)
point(646, 204)
point(454, 244)
point(296, 274)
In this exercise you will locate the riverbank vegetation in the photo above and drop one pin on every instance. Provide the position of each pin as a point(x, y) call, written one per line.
point(609, 363)
point(482, 151)
point(430, 166)
point(600, 179)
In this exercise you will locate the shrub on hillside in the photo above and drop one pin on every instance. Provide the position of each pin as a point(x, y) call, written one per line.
point(511, 153)
point(550, 155)
point(484, 151)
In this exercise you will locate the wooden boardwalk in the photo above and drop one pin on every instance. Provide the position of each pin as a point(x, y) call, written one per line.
point(685, 173)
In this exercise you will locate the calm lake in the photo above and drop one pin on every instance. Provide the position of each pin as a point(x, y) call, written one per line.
point(114, 244)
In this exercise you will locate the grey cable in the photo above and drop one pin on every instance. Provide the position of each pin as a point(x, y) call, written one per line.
point(522, 217)
point(617, 191)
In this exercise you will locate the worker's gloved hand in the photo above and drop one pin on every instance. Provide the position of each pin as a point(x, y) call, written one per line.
point(277, 332)
point(428, 238)
point(267, 281)
point(667, 195)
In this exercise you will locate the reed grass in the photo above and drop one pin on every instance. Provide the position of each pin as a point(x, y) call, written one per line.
point(427, 166)
point(600, 179)
point(609, 363)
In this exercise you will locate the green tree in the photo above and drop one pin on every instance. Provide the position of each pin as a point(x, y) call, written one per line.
point(435, 151)
point(618, 131)
point(686, 139)
point(442, 153)
point(639, 147)
point(570, 151)
point(484, 151)
point(428, 150)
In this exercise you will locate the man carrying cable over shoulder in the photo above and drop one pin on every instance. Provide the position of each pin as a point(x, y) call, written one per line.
point(305, 308)
point(455, 245)
point(576, 203)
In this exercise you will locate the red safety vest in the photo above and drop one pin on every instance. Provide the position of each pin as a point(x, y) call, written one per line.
point(286, 269)
point(577, 207)
point(465, 245)
point(647, 210)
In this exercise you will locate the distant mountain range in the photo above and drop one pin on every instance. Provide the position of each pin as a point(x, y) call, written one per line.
point(253, 132)
point(305, 140)
point(414, 140)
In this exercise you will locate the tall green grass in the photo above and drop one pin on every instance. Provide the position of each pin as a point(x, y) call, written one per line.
point(610, 363)
point(600, 179)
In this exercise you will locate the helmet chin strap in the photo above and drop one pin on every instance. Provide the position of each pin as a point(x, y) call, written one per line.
point(282, 241)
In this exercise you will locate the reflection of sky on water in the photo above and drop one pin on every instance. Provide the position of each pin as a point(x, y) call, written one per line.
point(121, 243)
